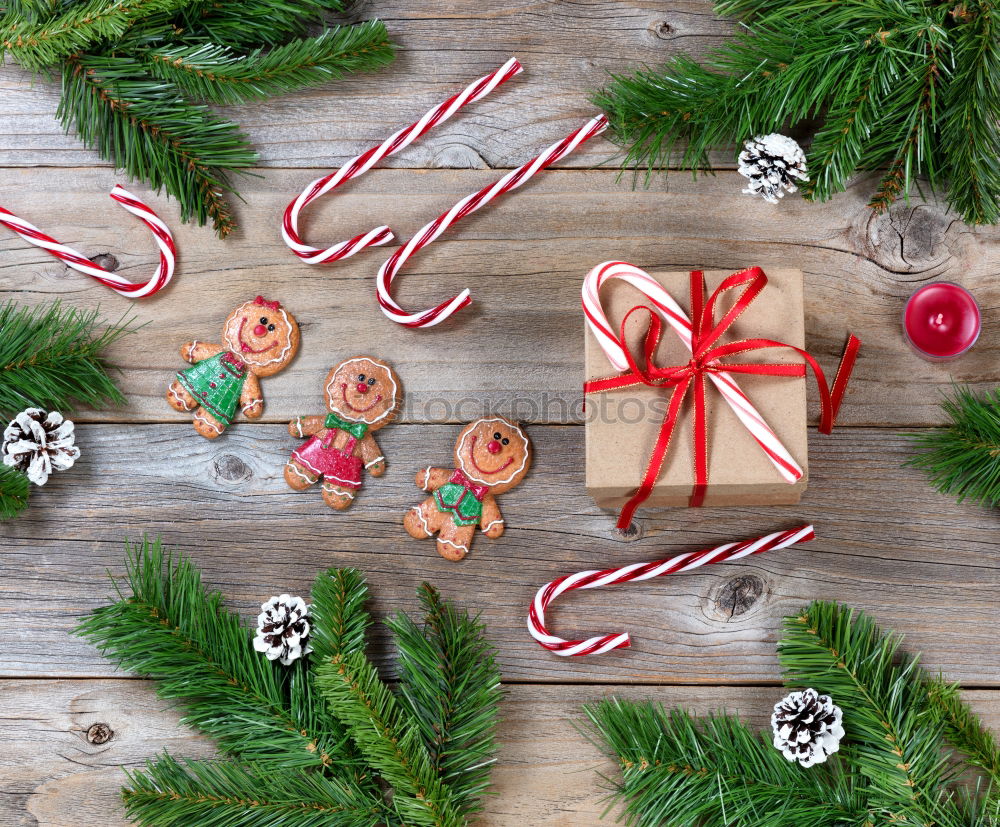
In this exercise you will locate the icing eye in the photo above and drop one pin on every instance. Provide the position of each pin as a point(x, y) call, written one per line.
point(270, 327)
point(505, 441)
point(497, 435)
point(361, 377)
point(371, 381)
point(263, 319)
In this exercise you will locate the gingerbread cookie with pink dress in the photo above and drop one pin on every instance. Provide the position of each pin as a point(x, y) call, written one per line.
point(259, 338)
point(363, 394)
point(492, 455)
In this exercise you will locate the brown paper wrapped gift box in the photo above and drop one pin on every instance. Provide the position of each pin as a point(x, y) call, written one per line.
point(622, 425)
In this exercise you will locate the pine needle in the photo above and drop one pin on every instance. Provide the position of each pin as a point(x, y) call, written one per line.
point(15, 489)
point(51, 358)
point(963, 458)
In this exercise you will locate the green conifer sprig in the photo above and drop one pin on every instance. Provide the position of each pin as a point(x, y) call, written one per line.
point(910, 88)
point(51, 357)
point(963, 457)
point(893, 767)
point(15, 490)
point(136, 73)
point(317, 743)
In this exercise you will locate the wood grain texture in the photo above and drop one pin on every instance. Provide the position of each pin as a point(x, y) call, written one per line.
point(546, 773)
point(567, 50)
point(887, 544)
point(519, 347)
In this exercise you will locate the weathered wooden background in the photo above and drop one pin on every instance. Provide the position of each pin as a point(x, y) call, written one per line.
point(888, 544)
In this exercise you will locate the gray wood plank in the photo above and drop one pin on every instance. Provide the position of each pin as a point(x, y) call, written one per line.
point(520, 343)
point(567, 51)
point(887, 544)
point(546, 773)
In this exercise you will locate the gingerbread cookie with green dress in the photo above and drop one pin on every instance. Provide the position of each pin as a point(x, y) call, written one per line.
point(492, 455)
point(363, 394)
point(259, 339)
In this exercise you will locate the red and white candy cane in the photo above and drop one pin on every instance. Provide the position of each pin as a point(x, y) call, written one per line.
point(467, 206)
point(641, 571)
point(366, 160)
point(70, 257)
point(674, 315)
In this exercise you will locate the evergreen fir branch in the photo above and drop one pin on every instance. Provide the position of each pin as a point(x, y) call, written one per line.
point(15, 489)
point(338, 615)
point(964, 730)
point(450, 685)
point(216, 74)
point(50, 358)
point(688, 773)
point(220, 794)
point(37, 45)
point(252, 23)
point(389, 739)
point(963, 458)
point(895, 738)
point(171, 629)
point(146, 127)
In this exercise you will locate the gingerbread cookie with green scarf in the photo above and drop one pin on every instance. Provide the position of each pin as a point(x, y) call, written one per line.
point(492, 455)
point(362, 394)
point(259, 339)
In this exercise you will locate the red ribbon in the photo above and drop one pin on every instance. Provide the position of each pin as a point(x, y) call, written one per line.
point(260, 301)
point(705, 359)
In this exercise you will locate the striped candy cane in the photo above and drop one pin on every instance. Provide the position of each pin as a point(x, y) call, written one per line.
point(70, 257)
point(467, 206)
point(366, 160)
point(674, 315)
point(641, 571)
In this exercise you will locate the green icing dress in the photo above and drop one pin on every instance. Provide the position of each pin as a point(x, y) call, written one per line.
point(217, 383)
point(461, 498)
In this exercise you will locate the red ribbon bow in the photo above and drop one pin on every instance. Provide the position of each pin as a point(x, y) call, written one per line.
point(477, 491)
point(705, 359)
point(262, 302)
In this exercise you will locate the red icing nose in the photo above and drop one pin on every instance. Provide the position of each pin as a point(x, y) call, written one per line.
point(493, 447)
point(362, 387)
point(260, 330)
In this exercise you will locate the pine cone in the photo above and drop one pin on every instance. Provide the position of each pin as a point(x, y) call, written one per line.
point(38, 443)
point(282, 629)
point(772, 163)
point(807, 727)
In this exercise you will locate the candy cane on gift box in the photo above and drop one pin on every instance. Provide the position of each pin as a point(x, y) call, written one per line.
point(674, 315)
point(467, 206)
point(641, 571)
point(164, 240)
point(366, 160)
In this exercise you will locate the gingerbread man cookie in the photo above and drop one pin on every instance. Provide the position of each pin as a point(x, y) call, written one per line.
point(259, 339)
point(362, 394)
point(492, 455)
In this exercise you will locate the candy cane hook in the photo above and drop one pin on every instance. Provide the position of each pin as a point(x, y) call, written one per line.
point(161, 233)
point(467, 206)
point(641, 571)
point(366, 160)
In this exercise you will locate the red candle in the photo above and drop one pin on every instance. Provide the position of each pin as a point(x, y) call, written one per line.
point(941, 321)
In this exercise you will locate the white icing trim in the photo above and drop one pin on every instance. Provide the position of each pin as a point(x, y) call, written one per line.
point(371, 362)
point(498, 520)
point(374, 461)
point(329, 486)
point(427, 477)
point(190, 353)
point(250, 404)
point(351, 483)
point(306, 463)
point(470, 428)
point(183, 402)
point(298, 426)
point(453, 545)
point(248, 357)
point(213, 425)
point(423, 522)
point(298, 472)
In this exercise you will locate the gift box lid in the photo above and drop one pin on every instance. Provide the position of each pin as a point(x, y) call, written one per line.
point(622, 425)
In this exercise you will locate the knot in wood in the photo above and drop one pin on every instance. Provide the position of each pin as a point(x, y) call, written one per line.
point(737, 596)
point(99, 734)
point(909, 239)
point(230, 468)
point(105, 261)
point(663, 30)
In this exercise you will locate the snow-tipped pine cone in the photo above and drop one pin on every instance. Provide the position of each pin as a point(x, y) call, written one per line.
point(807, 727)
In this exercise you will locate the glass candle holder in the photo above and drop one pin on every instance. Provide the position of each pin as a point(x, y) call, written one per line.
point(941, 321)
